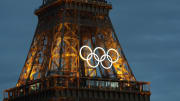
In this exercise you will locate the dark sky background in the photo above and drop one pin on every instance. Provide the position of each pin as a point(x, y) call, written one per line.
point(148, 30)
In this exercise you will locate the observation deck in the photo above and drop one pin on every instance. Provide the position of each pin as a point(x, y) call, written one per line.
point(84, 87)
point(81, 5)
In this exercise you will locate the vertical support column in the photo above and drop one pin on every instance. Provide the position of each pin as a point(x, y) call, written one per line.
point(62, 38)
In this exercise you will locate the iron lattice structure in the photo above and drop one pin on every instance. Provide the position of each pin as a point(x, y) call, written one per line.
point(64, 27)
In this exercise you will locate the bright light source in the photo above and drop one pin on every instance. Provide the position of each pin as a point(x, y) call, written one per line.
point(99, 60)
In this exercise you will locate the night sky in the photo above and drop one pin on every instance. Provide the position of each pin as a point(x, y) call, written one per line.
point(148, 30)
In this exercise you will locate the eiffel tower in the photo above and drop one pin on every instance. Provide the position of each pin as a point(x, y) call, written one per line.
point(75, 55)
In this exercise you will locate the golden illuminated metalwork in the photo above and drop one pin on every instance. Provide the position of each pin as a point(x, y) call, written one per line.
point(58, 38)
point(53, 60)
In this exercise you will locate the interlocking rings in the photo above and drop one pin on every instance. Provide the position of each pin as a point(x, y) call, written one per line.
point(96, 57)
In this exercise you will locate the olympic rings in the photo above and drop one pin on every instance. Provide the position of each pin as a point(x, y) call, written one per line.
point(96, 57)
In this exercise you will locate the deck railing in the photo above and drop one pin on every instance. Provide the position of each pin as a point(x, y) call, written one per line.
point(78, 83)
